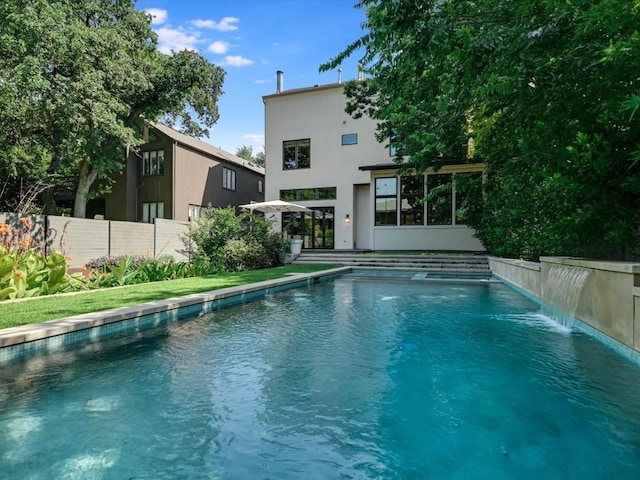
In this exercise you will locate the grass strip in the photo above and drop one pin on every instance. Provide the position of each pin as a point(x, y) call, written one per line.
point(41, 309)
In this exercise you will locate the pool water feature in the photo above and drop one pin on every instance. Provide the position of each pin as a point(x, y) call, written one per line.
point(358, 377)
point(562, 292)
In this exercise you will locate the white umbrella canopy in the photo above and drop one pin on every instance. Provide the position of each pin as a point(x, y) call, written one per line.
point(273, 206)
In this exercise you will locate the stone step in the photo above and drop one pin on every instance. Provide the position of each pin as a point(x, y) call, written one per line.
point(445, 264)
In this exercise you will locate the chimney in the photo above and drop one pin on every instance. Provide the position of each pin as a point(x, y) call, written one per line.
point(339, 75)
point(360, 73)
point(280, 82)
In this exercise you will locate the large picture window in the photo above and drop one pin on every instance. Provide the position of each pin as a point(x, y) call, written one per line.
point(448, 199)
point(228, 179)
point(386, 201)
point(412, 200)
point(153, 162)
point(296, 154)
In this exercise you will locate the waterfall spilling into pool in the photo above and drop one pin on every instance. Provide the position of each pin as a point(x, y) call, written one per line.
point(562, 293)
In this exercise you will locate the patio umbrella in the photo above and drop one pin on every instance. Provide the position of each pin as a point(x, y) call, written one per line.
point(274, 206)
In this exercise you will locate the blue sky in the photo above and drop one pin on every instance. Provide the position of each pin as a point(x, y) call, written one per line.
point(251, 40)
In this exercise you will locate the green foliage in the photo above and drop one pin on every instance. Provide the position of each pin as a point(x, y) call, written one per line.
point(76, 80)
point(28, 274)
point(545, 91)
point(25, 271)
point(220, 240)
point(246, 152)
point(131, 270)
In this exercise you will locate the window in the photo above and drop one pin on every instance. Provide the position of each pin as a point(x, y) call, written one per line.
point(152, 210)
point(397, 146)
point(449, 198)
point(296, 154)
point(468, 188)
point(260, 185)
point(228, 179)
point(439, 199)
point(412, 200)
point(195, 211)
point(153, 162)
point(323, 193)
point(350, 139)
point(386, 201)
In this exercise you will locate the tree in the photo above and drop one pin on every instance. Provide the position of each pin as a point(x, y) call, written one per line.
point(545, 92)
point(77, 79)
point(246, 152)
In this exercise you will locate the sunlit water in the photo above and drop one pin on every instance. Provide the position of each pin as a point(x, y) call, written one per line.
point(364, 379)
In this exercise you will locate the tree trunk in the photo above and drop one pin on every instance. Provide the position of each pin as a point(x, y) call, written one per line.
point(86, 177)
point(48, 201)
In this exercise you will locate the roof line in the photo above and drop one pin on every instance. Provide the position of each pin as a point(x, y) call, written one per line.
point(206, 148)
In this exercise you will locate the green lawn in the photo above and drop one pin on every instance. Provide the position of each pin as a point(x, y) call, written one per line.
point(52, 307)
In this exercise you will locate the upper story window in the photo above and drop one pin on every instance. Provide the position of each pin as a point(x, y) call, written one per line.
point(260, 186)
point(296, 154)
point(228, 179)
point(153, 162)
point(350, 139)
point(397, 146)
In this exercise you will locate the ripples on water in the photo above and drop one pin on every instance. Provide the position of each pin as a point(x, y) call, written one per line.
point(351, 378)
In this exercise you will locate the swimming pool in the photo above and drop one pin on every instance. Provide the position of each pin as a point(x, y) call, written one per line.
point(356, 377)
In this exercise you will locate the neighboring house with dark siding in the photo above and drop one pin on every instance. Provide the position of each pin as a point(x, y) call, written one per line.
point(173, 176)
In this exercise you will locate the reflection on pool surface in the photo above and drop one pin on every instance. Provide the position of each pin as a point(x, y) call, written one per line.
point(352, 378)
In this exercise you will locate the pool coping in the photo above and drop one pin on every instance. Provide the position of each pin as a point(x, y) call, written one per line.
point(13, 336)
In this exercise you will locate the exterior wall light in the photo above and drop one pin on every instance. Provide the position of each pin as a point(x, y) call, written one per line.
point(346, 218)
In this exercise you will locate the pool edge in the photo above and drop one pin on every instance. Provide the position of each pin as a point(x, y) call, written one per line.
point(16, 342)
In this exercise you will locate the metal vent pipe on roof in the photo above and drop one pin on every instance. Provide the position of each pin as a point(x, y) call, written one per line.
point(339, 75)
point(280, 82)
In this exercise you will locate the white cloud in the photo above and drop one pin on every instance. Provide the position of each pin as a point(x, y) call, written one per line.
point(224, 25)
point(255, 138)
point(170, 39)
point(218, 47)
point(236, 61)
point(158, 15)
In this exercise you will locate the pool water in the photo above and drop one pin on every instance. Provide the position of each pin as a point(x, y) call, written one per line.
point(364, 378)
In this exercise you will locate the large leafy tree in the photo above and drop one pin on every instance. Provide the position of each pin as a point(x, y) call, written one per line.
point(78, 78)
point(545, 92)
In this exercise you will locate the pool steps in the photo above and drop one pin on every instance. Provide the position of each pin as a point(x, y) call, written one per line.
point(429, 263)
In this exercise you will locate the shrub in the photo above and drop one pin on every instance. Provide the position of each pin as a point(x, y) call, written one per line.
point(245, 254)
point(111, 271)
point(222, 240)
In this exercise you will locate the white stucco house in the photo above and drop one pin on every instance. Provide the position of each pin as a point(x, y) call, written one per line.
point(319, 156)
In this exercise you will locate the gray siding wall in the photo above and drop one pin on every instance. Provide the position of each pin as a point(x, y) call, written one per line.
point(129, 238)
point(198, 181)
point(79, 238)
point(167, 238)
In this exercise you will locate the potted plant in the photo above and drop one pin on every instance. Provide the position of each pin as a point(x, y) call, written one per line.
point(296, 245)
